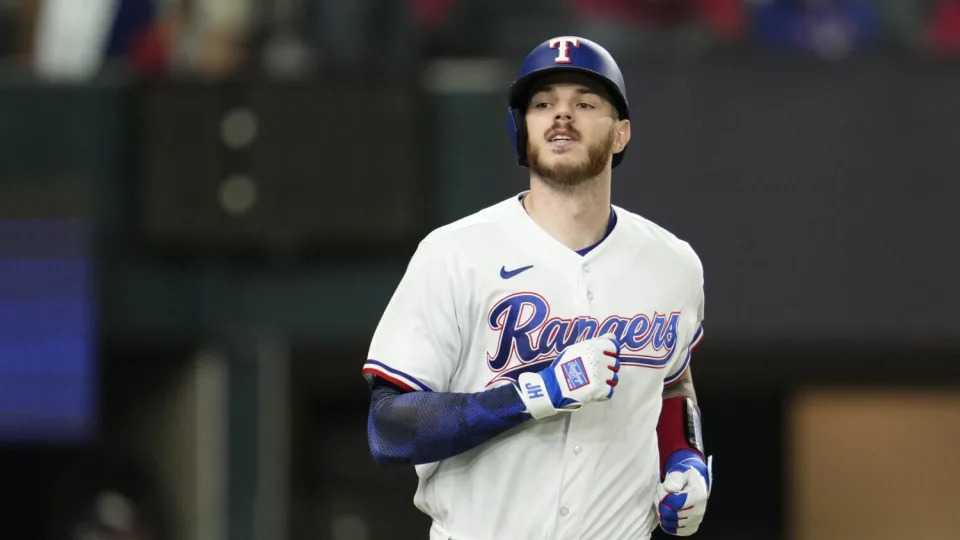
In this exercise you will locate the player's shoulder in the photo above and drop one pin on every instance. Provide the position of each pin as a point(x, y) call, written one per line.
point(659, 237)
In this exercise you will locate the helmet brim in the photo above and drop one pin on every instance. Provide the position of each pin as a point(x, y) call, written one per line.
point(522, 88)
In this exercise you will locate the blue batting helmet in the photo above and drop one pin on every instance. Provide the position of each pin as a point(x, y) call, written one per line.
point(566, 53)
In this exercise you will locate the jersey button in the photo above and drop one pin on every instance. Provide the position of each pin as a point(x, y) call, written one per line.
point(590, 295)
point(577, 449)
point(586, 268)
point(564, 511)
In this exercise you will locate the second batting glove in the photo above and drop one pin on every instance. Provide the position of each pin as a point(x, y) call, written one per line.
point(681, 498)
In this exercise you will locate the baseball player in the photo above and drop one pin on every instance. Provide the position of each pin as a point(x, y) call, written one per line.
point(534, 362)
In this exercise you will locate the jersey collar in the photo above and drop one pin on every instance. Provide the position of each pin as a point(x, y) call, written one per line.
point(555, 245)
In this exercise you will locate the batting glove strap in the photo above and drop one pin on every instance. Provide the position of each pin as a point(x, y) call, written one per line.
point(535, 395)
point(681, 460)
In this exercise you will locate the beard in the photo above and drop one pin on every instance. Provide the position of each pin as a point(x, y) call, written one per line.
point(567, 176)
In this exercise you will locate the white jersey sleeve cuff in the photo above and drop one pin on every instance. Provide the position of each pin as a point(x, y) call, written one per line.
point(374, 368)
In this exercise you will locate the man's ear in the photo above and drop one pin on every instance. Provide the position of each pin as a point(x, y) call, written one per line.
point(622, 136)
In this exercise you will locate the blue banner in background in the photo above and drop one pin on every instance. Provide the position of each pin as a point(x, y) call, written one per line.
point(47, 331)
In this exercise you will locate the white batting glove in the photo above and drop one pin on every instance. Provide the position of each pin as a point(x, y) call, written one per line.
point(681, 498)
point(584, 372)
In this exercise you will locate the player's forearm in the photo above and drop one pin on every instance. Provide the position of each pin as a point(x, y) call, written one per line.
point(678, 429)
point(423, 427)
point(682, 387)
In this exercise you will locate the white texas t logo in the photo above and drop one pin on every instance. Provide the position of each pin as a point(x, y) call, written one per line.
point(564, 47)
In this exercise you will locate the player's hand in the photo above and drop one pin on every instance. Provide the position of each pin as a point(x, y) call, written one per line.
point(681, 498)
point(584, 372)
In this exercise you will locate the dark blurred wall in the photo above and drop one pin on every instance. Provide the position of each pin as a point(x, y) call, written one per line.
point(820, 197)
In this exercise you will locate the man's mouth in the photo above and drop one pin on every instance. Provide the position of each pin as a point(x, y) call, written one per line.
point(561, 140)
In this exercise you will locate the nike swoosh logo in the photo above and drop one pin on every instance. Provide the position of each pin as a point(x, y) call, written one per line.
point(507, 274)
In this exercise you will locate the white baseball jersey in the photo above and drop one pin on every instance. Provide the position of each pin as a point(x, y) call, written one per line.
point(492, 295)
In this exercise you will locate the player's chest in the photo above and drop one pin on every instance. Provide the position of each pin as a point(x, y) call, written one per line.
point(528, 314)
point(533, 293)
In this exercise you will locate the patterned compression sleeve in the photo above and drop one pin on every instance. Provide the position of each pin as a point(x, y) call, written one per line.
point(423, 427)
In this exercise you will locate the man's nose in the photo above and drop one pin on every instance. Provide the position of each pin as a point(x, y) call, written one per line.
point(562, 112)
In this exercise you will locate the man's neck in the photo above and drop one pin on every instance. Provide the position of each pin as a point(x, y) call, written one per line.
point(577, 217)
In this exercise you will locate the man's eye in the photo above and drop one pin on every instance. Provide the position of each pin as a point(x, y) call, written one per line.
point(585, 106)
point(542, 105)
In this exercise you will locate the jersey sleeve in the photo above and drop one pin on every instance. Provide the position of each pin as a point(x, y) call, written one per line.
point(416, 344)
point(689, 336)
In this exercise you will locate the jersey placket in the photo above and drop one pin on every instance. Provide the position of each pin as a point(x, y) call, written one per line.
point(574, 483)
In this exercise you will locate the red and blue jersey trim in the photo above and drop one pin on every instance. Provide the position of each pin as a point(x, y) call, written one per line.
point(697, 336)
point(395, 376)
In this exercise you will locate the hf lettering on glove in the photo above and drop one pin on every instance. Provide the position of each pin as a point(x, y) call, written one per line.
point(585, 371)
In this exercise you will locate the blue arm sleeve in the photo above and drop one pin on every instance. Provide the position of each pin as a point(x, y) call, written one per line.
point(423, 427)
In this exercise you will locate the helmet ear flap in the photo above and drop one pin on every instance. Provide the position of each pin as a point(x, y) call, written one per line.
point(518, 130)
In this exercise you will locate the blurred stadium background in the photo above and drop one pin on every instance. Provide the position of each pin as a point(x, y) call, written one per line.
point(205, 205)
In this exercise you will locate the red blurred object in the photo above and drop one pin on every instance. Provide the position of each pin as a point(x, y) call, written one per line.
point(432, 13)
point(943, 27)
point(725, 17)
point(642, 12)
point(148, 55)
